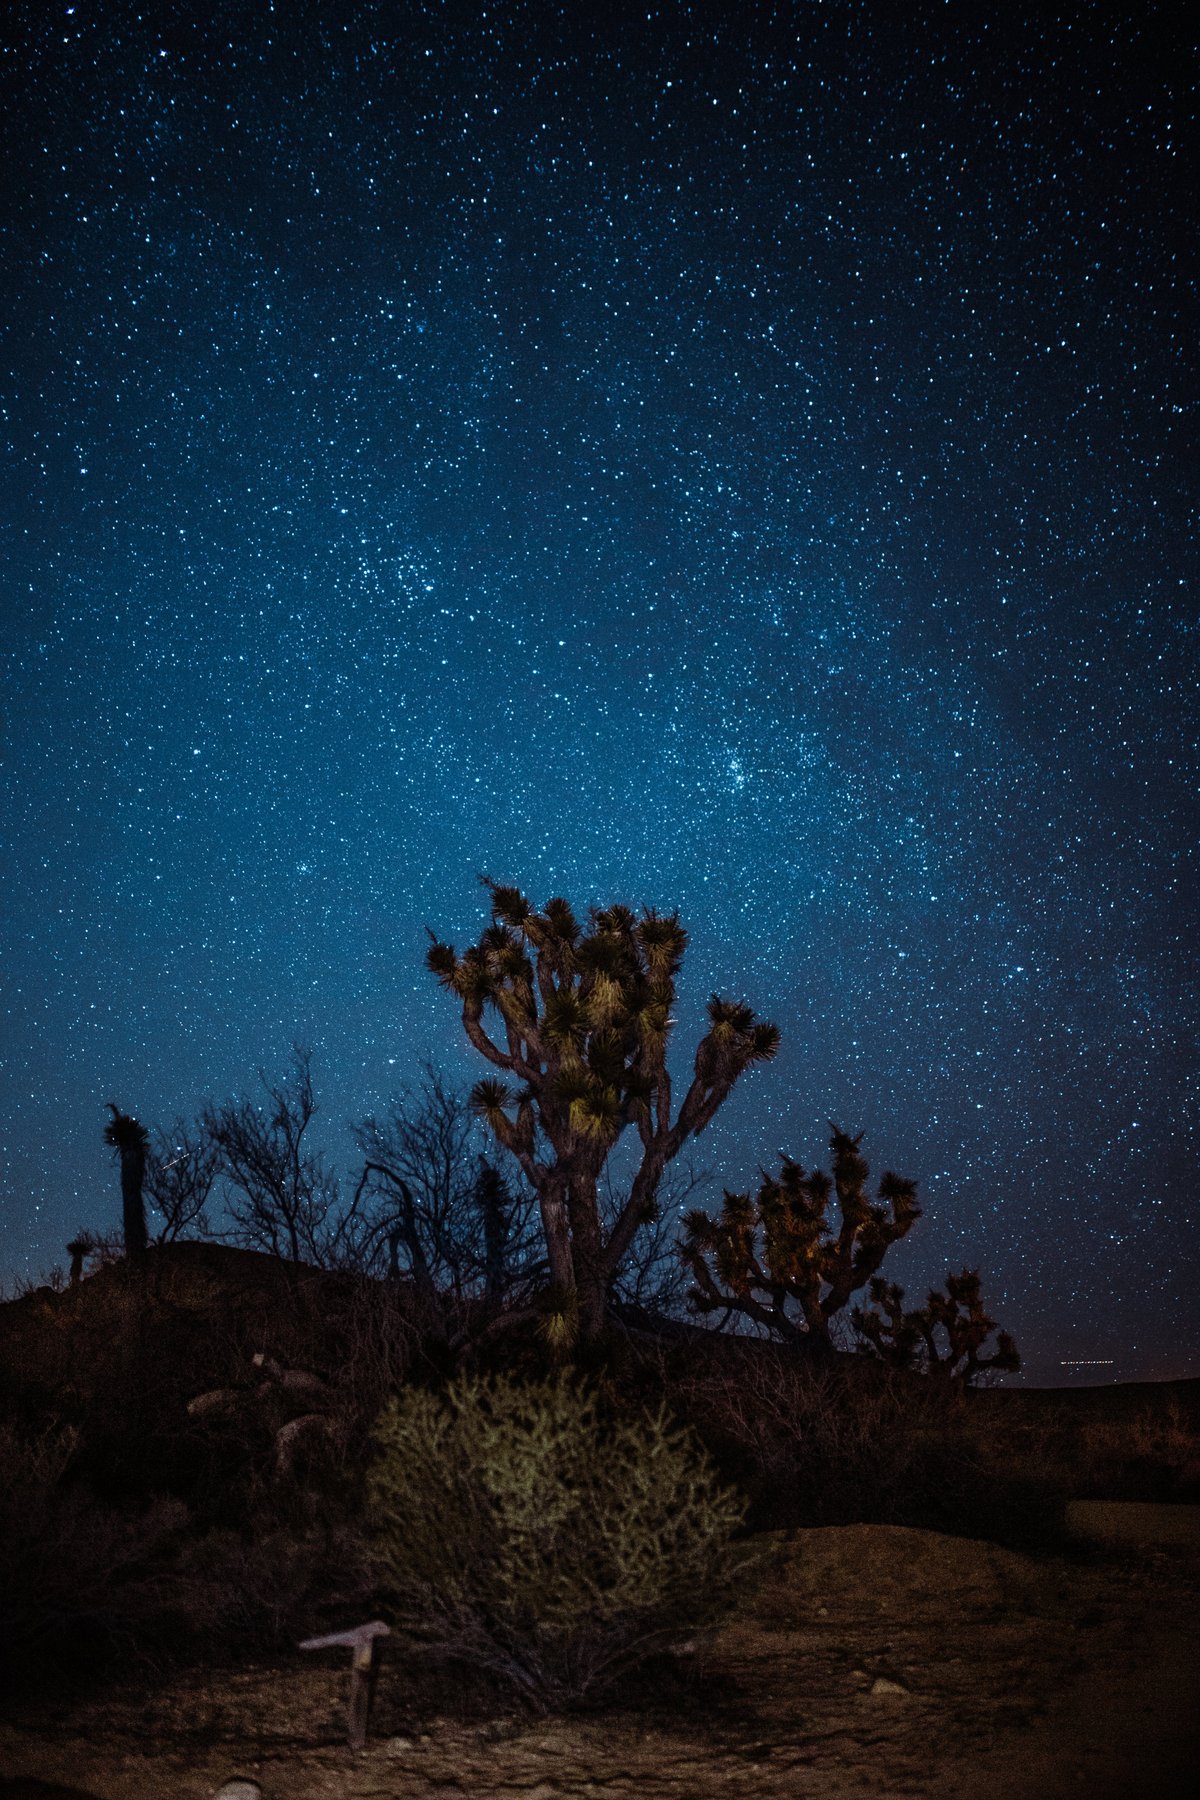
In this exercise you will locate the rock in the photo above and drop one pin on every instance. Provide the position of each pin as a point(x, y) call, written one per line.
point(883, 1685)
point(300, 1381)
point(239, 1789)
point(298, 1435)
point(293, 1381)
point(216, 1403)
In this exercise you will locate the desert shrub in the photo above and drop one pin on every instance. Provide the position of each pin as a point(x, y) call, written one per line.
point(848, 1441)
point(532, 1533)
point(235, 1593)
point(80, 1581)
point(1152, 1455)
point(89, 1588)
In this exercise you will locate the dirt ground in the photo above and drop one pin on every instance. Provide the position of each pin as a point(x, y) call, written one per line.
point(875, 1661)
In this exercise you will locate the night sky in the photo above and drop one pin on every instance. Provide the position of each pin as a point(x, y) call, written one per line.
point(731, 458)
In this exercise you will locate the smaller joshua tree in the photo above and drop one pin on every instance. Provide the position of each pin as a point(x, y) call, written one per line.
point(79, 1249)
point(779, 1261)
point(945, 1337)
point(129, 1139)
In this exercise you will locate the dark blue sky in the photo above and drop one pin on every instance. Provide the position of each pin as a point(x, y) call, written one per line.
point(716, 457)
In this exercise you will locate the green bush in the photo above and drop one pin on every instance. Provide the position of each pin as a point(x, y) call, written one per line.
point(524, 1530)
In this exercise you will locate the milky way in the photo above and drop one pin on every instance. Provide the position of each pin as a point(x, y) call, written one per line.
point(718, 458)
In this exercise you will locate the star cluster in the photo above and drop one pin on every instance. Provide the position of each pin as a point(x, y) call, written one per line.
point(718, 458)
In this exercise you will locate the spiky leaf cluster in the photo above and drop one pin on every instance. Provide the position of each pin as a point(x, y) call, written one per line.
point(584, 1014)
point(125, 1134)
point(946, 1337)
point(780, 1260)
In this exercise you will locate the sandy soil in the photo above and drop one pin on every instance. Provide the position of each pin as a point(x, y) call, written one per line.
point(877, 1661)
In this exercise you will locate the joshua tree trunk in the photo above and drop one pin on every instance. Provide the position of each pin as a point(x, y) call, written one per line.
point(591, 1275)
point(129, 1139)
point(490, 1197)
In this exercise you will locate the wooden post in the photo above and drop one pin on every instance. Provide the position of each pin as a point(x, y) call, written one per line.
point(363, 1665)
point(363, 1642)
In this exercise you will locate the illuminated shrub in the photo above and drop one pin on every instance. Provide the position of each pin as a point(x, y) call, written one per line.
point(524, 1530)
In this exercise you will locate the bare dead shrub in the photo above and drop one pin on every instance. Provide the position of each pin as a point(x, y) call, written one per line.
point(844, 1440)
point(440, 1215)
point(279, 1196)
point(237, 1593)
point(1153, 1455)
point(180, 1173)
point(79, 1580)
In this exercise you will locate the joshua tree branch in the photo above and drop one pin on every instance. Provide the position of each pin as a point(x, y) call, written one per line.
point(482, 1042)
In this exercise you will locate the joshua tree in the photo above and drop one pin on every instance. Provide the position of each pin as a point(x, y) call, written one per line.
point(129, 1139)
point(79, 1249)
point(777, 1259)
point(582, 1019)
point(494, 1205)
point(945, 1336)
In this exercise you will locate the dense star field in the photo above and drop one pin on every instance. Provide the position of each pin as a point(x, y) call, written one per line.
point(717, 458)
